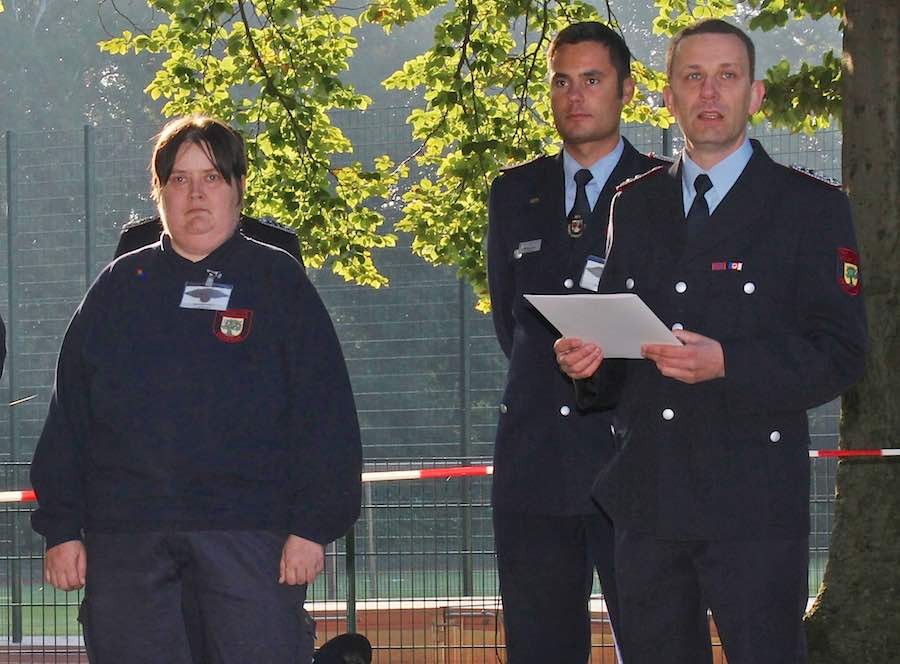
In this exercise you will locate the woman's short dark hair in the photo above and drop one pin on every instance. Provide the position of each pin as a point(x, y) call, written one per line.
point(712, 26)
point(223, 146)
point(594, 31)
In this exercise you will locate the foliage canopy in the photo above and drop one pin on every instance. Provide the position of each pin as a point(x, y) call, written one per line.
point(274, 68)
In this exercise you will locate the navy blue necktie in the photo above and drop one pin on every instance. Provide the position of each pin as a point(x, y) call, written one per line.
point(698, 215)
point(581, 210)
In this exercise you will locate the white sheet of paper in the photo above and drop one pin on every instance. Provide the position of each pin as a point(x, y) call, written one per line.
point(619, 323)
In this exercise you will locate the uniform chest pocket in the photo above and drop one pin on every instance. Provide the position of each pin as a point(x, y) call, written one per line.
point(742, 302)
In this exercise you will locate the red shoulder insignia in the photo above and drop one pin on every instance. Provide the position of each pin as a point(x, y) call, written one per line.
point(848, 270)
point(813, 175)
point(637, 178)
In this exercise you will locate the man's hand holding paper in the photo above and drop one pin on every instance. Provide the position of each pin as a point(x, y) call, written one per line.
point(577, 359)
point(698, 360)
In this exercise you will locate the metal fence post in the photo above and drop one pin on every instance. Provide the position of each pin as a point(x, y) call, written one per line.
point(90, 205)
point(350, 562)
point(12, 211)
point(465, 401)
point(371, 554)
point(667, 142)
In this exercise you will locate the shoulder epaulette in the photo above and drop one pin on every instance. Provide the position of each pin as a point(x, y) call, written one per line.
point(271, 222)
point(512, 167)
point(134, 223)
point(813, 175)
point(661, 157)
point(637, 178)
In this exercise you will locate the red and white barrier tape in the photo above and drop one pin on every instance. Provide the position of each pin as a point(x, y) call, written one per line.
point(18, 496)
point(846, 454)
point(478, 471)
point(428, 473)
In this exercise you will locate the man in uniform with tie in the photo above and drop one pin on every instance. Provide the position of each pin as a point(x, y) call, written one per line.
point(755, 267)
point(547, 234)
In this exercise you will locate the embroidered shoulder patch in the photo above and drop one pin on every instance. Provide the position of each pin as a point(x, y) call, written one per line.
point(848, 270)
point(818, 177)
point(233, 325)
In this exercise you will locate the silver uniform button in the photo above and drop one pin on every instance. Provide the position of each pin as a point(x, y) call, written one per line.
point(568, 283)
point(629, 283)
point(503, 408)
point(775, 436)
point(680, 287)
point(517, 254)
point(677, 326)
point(564, 411)
point(668, 414)
point(612, 429)
point(749, 288)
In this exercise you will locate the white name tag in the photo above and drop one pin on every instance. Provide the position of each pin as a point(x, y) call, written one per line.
point(593, 270)
point(214, 297)
point(528, 247)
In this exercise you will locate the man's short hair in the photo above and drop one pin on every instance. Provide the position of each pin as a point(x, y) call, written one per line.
point(711, 26)
point(223, 146)
point(595, 31)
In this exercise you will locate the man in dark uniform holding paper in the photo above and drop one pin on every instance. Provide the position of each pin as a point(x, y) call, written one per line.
point(547, 234)
point(755, 267)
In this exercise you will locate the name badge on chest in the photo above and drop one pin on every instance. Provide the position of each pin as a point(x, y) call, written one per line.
point(593, 270)
point(528, 247)
point(209, 295)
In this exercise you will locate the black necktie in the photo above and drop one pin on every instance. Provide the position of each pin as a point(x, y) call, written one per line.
point(581, 210)
point(698, 215)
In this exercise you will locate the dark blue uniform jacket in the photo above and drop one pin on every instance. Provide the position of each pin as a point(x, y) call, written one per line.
point(772, 279)
point(165, 417)
point(547, 452)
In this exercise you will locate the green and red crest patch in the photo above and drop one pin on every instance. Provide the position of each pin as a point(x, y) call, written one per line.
point(848, 270)
point(233, 325)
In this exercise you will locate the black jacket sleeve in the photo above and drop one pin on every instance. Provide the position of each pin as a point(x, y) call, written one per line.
point(500, 269)
point(56, 470)
point(327, 459)
point(823, 355)
point(2, 346)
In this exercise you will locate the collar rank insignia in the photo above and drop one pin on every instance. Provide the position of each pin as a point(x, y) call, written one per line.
point(848, 270)
point(233, 325)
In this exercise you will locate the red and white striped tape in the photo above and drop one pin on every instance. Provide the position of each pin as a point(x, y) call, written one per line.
point(846, 454)
point(26, 496)
point(479, 471)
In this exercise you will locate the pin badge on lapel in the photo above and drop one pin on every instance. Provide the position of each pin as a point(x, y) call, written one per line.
point(576, 226)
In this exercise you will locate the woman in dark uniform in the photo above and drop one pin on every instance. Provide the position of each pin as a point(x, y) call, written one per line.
point(202, 432)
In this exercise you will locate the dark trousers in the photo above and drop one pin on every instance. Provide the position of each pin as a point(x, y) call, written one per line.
point(546, 568)
point(756, 590)
point(133, 612)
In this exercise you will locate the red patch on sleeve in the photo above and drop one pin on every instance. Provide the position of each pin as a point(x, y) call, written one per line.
point(848, 270)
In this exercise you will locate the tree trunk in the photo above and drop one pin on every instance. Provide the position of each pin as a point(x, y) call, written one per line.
point(856, 616)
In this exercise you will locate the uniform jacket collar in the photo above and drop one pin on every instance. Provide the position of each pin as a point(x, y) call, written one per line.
point(748, 201)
